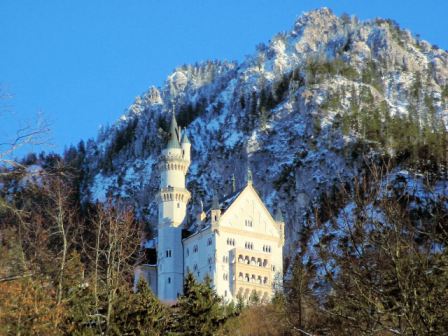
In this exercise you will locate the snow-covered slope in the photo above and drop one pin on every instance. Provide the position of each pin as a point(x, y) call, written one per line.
point(296, 112)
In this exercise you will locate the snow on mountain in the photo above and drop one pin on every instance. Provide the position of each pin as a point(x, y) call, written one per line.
point(295, 112)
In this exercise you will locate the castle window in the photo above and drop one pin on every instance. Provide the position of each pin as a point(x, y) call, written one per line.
point(267, 248)
point(210, 260)
point(209, 241)
point(225, 259)
point(195, 267)
point(248, 223)
point(168, 253)
point(225, 276)
point(169, 280)
point(230, 241)
point(249, 246)
point(195, 249)
point(178, 205)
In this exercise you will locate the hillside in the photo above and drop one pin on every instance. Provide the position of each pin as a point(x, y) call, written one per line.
point(343, 124)
point(303, 111)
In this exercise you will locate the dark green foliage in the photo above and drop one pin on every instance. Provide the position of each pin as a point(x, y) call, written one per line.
point(191, 111)
point(139, 313)
point(371, 75)
point(333, 102)
point(445, 92)
point(124, 136)
point(281, 87)
point(317, 70)
point(416, 88)
point(122, 139)
point(199, 311)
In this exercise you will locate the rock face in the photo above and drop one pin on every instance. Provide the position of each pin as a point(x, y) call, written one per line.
point(295, 112)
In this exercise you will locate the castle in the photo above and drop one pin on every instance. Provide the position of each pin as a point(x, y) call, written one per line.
point(236, 242)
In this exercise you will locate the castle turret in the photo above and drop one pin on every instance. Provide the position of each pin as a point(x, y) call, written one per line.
point(186, 146)
point(215, 212)
point(172, 200)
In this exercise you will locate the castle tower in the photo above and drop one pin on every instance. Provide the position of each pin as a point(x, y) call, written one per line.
point(172, 202)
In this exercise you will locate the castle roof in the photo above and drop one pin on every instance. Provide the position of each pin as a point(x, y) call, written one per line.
point(174, 135)
point(185, 139)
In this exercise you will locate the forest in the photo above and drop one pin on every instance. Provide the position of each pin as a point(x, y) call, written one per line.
point(67, 269)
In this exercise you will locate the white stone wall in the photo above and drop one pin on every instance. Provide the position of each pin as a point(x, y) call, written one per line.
point(246, 227)
point(172, 213)
point(200, 255)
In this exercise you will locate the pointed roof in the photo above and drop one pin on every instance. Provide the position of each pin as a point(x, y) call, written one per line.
point(174, 134)
point(249, 175)
point(215, 202)
point(185, 139)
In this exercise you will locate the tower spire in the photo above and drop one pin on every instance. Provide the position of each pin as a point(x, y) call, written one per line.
point(215, 202)
point(249, 175)
point(174, 134)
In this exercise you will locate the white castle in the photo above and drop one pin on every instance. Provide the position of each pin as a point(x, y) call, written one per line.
point(237, 243)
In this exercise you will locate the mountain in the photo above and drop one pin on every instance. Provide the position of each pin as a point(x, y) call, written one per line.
point(304, 112)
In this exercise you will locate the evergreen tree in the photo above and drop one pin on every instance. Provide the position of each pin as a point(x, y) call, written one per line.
point(139, 313)
point(199, 311)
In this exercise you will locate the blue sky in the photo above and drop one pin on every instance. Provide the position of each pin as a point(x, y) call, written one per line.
point(81, 63)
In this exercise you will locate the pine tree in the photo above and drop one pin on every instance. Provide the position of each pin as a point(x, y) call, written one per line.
point(139, 313)
point(199, 311)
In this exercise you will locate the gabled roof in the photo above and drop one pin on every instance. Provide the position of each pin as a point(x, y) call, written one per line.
point(226, 202)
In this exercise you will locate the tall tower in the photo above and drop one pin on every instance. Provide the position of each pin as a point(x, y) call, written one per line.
point(172, 201)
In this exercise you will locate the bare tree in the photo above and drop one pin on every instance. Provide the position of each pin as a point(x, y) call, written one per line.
point(115, 250)
point(385, 263)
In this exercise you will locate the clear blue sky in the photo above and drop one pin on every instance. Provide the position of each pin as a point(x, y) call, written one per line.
point(81, 63)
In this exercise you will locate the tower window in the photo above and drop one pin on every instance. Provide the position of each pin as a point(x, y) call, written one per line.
point(169, 280)
point(195, 249)
point(168, 253)
point(248, 222)
point(209, 241)
point(178, 205)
